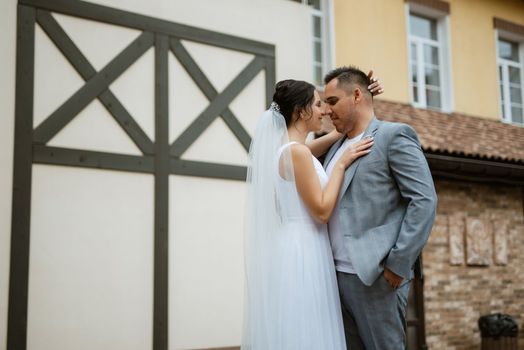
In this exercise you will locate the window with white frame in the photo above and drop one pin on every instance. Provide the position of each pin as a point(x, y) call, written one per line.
point(510, 66)
point(320, 36)
point(429, 63)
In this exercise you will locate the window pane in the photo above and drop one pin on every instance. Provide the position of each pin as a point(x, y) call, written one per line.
point(318, 75)
point(317, 27)
point(501, 81)
point(423, 27)
point(413, 52)
point(514, 75)
point(503, 111)
point(314, 3)
point(508, 50)
point(431, 54)
point(415, 93)
point(433, 98)
point(414, 73)
point(318, 52)
point(516, 114)
point(516, 95)
point(432, 77)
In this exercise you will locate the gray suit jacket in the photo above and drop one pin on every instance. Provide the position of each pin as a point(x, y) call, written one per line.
point(387, 202)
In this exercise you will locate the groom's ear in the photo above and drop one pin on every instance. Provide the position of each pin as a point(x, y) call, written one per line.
point(357, 95)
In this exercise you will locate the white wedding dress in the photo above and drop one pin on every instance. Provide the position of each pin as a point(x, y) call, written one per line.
point(308, 294)
point(291, 295)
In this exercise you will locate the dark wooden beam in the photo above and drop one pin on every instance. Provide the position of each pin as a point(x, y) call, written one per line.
point(87, 72)
point(91, 159)
point(209, 91)
point(22, 172)
point(93, 87)
point(161, 276)
point(86, 10)
point(216, 107)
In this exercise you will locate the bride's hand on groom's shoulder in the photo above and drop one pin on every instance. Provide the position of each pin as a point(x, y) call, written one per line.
point(375, 87)
point(355, 151)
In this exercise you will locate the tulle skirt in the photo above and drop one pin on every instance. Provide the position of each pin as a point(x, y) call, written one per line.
point(301, 307)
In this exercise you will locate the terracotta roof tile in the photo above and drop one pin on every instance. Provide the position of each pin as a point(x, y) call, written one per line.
point(458, 134)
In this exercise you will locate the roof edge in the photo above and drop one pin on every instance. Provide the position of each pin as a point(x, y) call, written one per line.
point(477, 170)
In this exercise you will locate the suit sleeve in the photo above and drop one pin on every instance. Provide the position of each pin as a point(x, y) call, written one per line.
point(411, 172)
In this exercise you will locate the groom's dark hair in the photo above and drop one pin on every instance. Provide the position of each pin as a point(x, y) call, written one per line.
point(348, 75)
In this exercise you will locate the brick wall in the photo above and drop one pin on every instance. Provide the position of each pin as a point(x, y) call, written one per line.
point(455, 292)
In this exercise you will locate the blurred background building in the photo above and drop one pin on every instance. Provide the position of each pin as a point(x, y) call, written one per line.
point(124, 133)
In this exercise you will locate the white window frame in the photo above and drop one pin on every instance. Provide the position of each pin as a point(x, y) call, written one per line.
point(326, 15)
point(444, 46)
point(508, 36)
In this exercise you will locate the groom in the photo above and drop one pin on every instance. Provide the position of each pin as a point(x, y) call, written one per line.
point(383, 218)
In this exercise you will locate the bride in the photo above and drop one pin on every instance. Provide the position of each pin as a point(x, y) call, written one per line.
point(292, 300)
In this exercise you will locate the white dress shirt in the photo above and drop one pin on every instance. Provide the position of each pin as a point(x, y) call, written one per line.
point(336, 236)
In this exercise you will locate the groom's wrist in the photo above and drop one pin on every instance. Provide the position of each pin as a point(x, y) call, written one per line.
point(394, 269)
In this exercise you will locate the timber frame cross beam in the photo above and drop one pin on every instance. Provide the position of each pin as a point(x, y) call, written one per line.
point(159, 157)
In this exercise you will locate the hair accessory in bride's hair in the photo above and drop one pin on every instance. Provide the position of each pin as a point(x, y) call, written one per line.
point(274, 107)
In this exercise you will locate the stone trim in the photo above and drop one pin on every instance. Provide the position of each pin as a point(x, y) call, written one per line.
point(438, 5)
point(229, 348)
point(508, 26)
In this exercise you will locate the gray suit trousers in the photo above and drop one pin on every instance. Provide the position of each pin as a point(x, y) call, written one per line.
point(374, 316)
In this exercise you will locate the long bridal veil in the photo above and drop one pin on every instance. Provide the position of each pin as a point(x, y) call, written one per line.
point(291, 295)
point(269, 171)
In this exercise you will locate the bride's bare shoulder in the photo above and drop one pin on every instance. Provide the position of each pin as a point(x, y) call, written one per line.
point(300, 153)
point(300, 149)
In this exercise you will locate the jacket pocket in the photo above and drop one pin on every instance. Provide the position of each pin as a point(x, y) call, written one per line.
point(382, 238)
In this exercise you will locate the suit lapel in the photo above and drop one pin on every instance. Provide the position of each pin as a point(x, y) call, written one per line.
point(332, 151)
point(350, 172)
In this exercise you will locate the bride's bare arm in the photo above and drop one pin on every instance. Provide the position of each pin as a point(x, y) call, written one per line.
point(321, 202)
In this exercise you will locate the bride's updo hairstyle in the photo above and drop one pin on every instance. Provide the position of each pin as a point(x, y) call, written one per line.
point(293, 96)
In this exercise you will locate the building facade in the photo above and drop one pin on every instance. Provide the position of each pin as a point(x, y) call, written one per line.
point(453, 70)
point(124, 133)
point(125, 129)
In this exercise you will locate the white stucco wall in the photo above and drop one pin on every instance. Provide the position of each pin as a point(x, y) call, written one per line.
point(92, 230)
point(91, 268)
